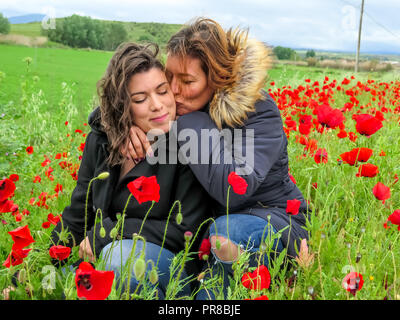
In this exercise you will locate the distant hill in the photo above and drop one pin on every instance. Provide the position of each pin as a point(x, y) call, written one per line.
point(37, 17)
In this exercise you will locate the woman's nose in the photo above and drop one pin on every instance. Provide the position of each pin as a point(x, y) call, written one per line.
point(156, 104)
point(174, 86)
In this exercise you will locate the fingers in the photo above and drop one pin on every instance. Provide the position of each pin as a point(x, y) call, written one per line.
point(85, 250)
point(134, 148)
point(145, 143)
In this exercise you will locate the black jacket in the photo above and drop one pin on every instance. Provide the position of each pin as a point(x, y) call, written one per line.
point(176, 181)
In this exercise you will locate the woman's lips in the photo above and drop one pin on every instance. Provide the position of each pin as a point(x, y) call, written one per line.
point(160, 119)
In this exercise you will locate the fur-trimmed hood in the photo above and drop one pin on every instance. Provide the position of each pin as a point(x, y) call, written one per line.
point(231, 105)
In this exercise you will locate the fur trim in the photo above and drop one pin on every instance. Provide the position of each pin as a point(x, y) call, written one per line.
point(231, 105)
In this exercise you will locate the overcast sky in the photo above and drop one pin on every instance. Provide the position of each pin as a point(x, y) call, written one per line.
point(317, 24)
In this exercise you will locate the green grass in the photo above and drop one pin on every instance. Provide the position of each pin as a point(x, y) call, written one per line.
point(32, 29)
point(82, 68)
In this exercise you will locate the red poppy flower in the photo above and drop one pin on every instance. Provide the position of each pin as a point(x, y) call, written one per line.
point(29, 150)
point(16, 257)
point(259, 279)
point(58, 188)
point(329, 117)
point(394, 218)
point(353, 282)
point(293, 206)
point(367, 170)
point(205, 248)
point(238, 184)
point(46, 162)
point(53, 219)
point(357, 154)
point(81, 147)
point(145, 189)
point(321, 156)
point(37, 179)
point(93, 284)
point(7, 188)
point(367, 124)
point(59, 252)
point(8, 206)
point(46, 225)
point(14, 177)
point(263, 297)
point(22, 237)
point(381, 192)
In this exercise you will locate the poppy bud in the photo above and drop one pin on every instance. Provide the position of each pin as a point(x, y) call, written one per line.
point(263, 247)
point(102, 232)
point(179, 218)
point(153, 277)
point(205, 257)
point(22, 275)
point(104, 175)
point(113, 233)
point(358, 258)
point(200, 277)
point(218, 244)
point(188, 235)
point(139, 269)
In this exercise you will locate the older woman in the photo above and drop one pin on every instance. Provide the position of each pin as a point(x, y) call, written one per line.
point(217, 79)
point(133, 91)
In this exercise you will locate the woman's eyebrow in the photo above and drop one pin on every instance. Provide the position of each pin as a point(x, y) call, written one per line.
point(143, 92)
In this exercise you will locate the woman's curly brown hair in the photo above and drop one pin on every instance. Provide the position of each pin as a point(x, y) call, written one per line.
point(114, 96)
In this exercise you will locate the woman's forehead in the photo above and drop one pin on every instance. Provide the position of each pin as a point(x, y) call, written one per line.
point(183, 65)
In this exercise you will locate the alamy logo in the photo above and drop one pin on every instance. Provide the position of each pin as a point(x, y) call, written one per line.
point(215, 147)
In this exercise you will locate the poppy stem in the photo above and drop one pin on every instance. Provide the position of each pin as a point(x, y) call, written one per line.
point(145, 217)
point(166, 225)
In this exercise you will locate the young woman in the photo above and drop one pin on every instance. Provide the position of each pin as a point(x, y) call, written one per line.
point(133, 91)
point(217, 79)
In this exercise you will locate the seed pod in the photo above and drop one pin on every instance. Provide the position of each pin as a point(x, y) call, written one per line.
point(179, 218)
point(139, 269)
point(113, 233)
point(153, 277)
point(104, 175)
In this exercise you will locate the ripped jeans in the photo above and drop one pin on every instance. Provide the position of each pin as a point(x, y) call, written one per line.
point(247, 232)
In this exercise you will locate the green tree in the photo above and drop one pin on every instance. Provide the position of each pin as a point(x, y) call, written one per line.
point(114, 34)
point(4, 24)
point(310, 54)
point(283, 53)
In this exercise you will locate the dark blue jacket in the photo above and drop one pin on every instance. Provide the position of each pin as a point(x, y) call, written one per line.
point(269, 185)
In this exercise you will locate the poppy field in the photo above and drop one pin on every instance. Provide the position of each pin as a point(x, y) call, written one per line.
point(343, 133)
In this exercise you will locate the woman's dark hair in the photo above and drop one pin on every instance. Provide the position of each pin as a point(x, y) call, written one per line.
point(115, 102)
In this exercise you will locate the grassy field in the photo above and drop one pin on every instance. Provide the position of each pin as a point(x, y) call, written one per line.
point(44, 103)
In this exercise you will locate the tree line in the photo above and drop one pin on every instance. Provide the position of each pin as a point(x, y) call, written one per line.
point(4, 24)
point(84, 32)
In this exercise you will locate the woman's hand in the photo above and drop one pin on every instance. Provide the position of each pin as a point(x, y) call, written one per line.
point(137, 145)
point(85, 250)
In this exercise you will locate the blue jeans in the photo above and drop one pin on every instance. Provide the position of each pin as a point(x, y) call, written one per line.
point(247, 232)
point(112, 256)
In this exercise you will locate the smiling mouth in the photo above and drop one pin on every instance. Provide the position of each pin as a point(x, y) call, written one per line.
point(159, 119)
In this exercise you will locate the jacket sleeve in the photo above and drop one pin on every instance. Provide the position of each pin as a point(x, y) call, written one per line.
point(262, 134)
point(73, 216)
